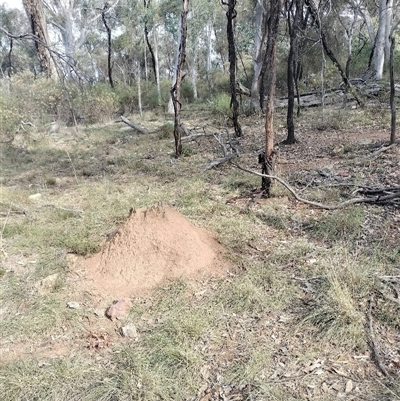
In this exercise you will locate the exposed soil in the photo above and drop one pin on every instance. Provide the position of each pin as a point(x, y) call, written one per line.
point(153, 246)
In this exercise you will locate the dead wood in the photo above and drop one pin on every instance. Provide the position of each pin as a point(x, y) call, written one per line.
point(135, 126)
point(376, 199)
point(217, 162)
point(374, 348)
point(226, 156)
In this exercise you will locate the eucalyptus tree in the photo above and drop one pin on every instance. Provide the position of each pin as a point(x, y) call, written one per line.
point(231, 14)
point(35, 12)
point(15, 55)
point(381, 18)
point(260, 36)
point(268, 158)
point(294, 9)
point(75, 21)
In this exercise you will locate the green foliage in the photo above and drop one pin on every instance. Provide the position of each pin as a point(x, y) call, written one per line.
point(24, 98)
point(10, 117)
point(97, 103)
point(222, 104)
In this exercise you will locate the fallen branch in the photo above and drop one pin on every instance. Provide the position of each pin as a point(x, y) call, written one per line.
point(373, 199)
point(135, 126)
point(376, 354)
point(195, 136)
point(217, 162)
point(227, 156)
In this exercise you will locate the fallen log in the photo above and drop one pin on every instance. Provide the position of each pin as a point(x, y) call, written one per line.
point(136, 127)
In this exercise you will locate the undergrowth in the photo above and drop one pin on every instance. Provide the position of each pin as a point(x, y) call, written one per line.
point(298, 289)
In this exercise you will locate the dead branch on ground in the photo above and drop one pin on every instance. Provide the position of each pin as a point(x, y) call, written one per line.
point(226, 156)
point(136, 127)
point(381, 196)
point(376, 354)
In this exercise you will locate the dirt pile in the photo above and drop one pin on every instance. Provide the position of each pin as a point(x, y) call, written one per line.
point(153, 246)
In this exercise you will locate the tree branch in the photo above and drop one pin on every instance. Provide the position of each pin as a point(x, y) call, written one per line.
point(372, 199)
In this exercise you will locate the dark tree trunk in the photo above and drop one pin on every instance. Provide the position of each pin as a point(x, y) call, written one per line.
point(150, 47)
point(10, 67)
point(231, 15)
point(292, 65)
point(268, 159)
point(392, 92)
point(109, 49)
point(314, 12)
point(176, 88)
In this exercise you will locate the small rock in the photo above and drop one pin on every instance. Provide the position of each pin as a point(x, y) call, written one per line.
point(99, 312)
point(34, 197)
point(349, 386)
point(71, 260)
point(129, 331)
point(119, 309)
point(73, 305)
point(47, 284)
point(337, 150)
point(366, 142)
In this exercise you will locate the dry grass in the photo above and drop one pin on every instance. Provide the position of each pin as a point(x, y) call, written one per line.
point(297, 293)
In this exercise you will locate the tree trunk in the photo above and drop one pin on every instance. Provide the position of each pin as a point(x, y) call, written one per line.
point(392, 92)
point(176, 89)
point(328, 51)
point(146, 35)
point(139, 88)
point(108, 29)
point(231, 15)
point(378, 58)
point(157, 66)
point(260, 34)
point(35, 13)
point(268, 159)
point(292, 65)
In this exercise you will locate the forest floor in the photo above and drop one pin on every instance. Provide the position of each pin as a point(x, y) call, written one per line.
point(229, 296)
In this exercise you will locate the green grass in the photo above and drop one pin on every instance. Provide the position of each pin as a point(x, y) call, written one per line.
point(299, 281)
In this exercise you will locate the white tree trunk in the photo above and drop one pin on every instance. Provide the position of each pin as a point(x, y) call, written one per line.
point(381, 38)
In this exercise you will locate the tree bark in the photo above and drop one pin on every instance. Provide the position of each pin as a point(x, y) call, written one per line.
point(268, 159)
point(108, 29)
point(176, 89)
point(35, 12)
point(392, 92)
point(314, 12)
point(231, 15)
point(292, 65)
point(260, 35)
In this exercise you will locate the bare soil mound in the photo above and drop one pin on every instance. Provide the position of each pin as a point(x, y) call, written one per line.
point(153, 246)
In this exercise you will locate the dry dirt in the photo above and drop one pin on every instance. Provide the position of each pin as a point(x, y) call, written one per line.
point(153, 246)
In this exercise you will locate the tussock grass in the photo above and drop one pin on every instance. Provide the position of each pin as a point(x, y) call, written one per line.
point(340, 296)
point(285, 264)
point(340, 225)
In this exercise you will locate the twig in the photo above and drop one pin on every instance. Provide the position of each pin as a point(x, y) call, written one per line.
point(375, 199)
point(223, 147)
point(377, 357)
point(383, 149)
